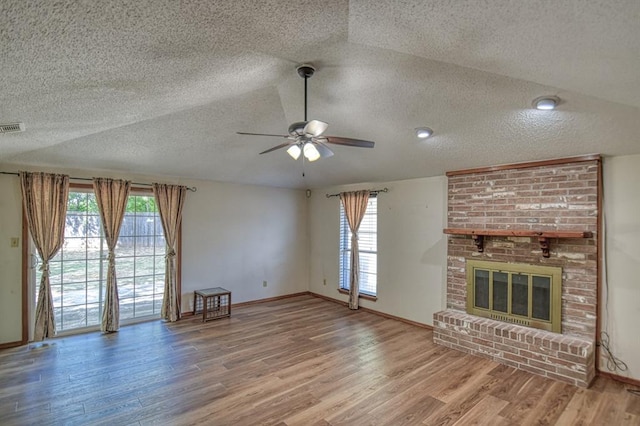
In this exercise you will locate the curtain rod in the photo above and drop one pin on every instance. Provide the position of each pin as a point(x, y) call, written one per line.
point(371, 191)
point(193, 188)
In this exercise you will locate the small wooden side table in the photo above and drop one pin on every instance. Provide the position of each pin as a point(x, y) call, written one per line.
point(215, 303)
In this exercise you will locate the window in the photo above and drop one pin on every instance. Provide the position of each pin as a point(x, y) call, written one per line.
point(368, 249)
point(78, 272)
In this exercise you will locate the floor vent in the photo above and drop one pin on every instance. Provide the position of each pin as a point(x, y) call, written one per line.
point(12, 128)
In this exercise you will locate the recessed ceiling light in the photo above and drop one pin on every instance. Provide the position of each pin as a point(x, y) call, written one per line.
point(423, 132)
point(546, 103)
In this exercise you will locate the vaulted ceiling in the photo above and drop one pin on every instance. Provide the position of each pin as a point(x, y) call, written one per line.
point(162, 86)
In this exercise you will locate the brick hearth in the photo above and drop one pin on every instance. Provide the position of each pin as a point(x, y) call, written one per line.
point(546, 196)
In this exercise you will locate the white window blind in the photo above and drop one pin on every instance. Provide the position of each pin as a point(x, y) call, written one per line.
point(368, 249)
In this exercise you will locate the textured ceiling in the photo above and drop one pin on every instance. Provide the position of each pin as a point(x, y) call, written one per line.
point(161, 87)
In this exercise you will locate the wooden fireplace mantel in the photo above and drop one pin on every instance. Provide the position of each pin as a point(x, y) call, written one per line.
point(543, 236)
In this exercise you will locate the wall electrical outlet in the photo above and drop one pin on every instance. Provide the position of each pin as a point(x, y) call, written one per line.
point(15, 242)
point(324, 281)
point(264, 283)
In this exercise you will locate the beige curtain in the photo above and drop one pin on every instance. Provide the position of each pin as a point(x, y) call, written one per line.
point(45, 203)
point(170, 199)
point(111, 197)
point(355, 206)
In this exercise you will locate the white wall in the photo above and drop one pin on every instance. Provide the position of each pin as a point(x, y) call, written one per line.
point(10, 260)
point(621, 284)
point(234, 236)
point(411, 247)
point(237, 236)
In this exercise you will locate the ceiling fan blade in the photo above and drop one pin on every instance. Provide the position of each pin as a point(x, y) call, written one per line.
point(349, 142)
point(282, 145)
point(315, 128)
point(323, 150)
point(262, 134)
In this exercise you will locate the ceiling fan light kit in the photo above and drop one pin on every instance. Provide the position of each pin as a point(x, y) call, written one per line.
point(310, 151)
point(294, 151)
point(306, 136)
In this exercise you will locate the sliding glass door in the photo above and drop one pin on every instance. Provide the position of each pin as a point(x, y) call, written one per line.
point(78, 272)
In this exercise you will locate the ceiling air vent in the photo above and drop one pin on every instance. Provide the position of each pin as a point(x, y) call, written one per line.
point(11, 127)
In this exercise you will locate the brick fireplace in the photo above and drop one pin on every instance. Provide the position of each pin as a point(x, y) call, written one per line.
point(541, 213)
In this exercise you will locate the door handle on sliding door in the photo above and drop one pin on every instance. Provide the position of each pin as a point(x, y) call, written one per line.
point(33, 261)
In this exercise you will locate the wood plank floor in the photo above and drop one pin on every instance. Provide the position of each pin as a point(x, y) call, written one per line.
point(297, 361)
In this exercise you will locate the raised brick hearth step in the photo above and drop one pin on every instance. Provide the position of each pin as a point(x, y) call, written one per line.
point(557, 356)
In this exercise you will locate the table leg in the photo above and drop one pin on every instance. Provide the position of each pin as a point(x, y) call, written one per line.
point(205, 302)
point(195, 302)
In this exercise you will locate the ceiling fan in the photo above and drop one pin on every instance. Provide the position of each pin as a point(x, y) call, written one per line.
point(307, 137)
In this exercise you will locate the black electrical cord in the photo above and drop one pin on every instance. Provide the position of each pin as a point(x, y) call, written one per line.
point(613, 363)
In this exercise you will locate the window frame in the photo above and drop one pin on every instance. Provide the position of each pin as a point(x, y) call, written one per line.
point(344, 240)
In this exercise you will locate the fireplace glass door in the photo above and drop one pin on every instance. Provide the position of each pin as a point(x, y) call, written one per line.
point(528, 295)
